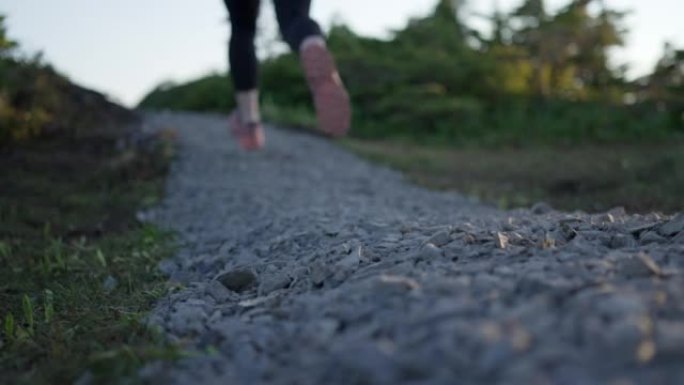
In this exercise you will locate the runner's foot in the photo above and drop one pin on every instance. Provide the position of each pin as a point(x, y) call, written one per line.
point(250, 136)
point(330, 96)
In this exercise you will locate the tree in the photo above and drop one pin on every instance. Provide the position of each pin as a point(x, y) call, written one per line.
point(6, 45)
point(594, 36)
point(532, 36)
point(568, 50)
point(532, 13)
point(669, 71)
point(444, 28)
point(666, 84)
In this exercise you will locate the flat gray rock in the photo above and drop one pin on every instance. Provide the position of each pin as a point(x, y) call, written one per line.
point(303, 264)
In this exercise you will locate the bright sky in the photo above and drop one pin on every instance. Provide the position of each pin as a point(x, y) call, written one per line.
point(125, 47)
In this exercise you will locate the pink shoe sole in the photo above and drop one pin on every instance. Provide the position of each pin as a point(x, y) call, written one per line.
point(331, 100)
point(250, 136)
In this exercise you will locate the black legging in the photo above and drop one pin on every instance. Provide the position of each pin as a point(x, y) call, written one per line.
point(295, 26)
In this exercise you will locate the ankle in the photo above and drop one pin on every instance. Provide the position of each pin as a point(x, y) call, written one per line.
point(312, 41)
point(248, 107)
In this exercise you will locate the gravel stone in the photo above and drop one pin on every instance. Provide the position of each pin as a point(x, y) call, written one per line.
point(429, 251)
point(670, 339)
point(501, 240)
point(272, 282)
point(319, 272)
point(622, 241)
point(303, 264)
point(187, 318)
point(679, 238)
point(237, 280)
point(440, 238)
point(671, 228)
point(651, 237)
point(640, 265)
point(218, 291)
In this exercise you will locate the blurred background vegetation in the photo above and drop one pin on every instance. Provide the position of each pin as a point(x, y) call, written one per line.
point(540, 77)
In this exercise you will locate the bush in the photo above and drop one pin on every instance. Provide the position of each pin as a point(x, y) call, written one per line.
point(211, 93)
point(36, 100)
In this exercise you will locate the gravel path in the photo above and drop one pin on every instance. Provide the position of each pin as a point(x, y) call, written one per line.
point(304, 265)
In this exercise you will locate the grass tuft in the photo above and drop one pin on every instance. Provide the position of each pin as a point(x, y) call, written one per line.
point(593, 178)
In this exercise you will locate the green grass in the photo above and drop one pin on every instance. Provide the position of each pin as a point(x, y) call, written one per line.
point(593, 178)
point(641, 177)
point(77, 271)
